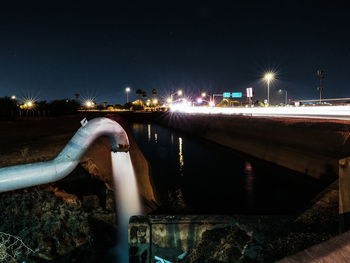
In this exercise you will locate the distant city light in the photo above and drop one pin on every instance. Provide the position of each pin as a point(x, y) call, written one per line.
point(199, 100)
point(29, 103)
point(13, 97)
point(179, 92)
point(155, 101)
point(204, 94)
point(211, 103)
point(89, 103)
point(169, 100)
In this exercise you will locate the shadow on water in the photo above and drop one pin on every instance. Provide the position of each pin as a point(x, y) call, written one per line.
point(193, 175)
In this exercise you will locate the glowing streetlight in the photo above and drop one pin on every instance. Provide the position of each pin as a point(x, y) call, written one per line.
point(127, 90)
point(89, 103)
point(179, 92)
point(204, 94)
point(169, 100)
point(13, 97)
point(268, 77)
point(155, 101)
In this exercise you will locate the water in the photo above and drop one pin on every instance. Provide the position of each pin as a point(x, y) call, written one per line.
point(195, 176)
point(127, 197)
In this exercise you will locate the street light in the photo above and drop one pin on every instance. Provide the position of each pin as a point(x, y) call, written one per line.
point(13, 97)
point(29, 104)
point(127, 90)
point(204, 94)
point(89, 103)
point(178, 93)
point(268, 77)
point(286, 95)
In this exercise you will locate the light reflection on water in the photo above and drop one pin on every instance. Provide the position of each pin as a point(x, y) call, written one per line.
point(149, 132)
point(181, 156)
point(250, 179)
point(214, 179)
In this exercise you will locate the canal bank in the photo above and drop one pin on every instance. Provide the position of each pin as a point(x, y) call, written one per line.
point(311, 148)
point(200, 178)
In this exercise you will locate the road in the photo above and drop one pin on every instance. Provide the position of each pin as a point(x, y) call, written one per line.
point(313, 112)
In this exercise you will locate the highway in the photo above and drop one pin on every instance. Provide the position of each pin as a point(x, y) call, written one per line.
point(312, 112)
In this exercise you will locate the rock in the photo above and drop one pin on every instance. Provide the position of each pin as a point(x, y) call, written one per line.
point(225, 245)
point(66, 197)
point(110, 200)
point(91, 202)
point(108, 218)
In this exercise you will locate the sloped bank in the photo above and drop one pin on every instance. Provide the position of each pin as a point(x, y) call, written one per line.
point(311, 148)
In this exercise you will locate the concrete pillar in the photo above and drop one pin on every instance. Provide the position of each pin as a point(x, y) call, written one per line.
point(344, 194)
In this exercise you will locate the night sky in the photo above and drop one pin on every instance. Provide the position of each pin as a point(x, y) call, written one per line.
point(54, 49)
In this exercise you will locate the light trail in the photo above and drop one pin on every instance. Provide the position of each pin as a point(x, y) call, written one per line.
point(314, 112)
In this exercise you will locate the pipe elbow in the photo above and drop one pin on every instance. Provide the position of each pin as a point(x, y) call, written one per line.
point(22, 176)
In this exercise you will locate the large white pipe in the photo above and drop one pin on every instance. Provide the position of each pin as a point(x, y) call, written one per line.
point(22, 176)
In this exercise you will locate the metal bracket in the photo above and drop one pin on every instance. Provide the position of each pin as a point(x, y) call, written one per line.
point(83, 122)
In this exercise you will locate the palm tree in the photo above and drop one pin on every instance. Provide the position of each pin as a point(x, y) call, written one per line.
point(139, 92)
point(154, 92)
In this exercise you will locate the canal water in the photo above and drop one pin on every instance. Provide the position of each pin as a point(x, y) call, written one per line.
point(192, 175)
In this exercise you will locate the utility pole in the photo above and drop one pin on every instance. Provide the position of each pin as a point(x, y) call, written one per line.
point(321, 75)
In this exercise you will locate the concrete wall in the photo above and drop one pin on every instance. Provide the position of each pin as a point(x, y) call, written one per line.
point(312, 148)
point(169, 236)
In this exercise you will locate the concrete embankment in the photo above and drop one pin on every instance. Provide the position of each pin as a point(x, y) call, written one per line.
point(309, 147)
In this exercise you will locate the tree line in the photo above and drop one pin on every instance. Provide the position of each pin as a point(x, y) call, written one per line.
point(11, 108)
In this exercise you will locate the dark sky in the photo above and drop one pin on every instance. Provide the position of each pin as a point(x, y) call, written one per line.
point(53, 49)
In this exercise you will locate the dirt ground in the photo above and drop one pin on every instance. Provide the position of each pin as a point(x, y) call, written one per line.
point(27, 141)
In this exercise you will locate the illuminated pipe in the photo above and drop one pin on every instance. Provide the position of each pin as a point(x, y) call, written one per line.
point(27, 175)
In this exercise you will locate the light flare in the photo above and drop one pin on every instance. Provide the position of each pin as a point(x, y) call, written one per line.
point(320, 112)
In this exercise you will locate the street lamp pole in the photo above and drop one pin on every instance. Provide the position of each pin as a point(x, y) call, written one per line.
point(268, 77)
point(286, 97)
point(127, 90)
point(268, 92)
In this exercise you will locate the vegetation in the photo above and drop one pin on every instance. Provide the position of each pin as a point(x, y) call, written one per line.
point(11, 108)
point(8, 108)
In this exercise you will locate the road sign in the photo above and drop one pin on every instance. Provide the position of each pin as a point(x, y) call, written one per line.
point(236, 94)
point(249, 92)
point(226, 94)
